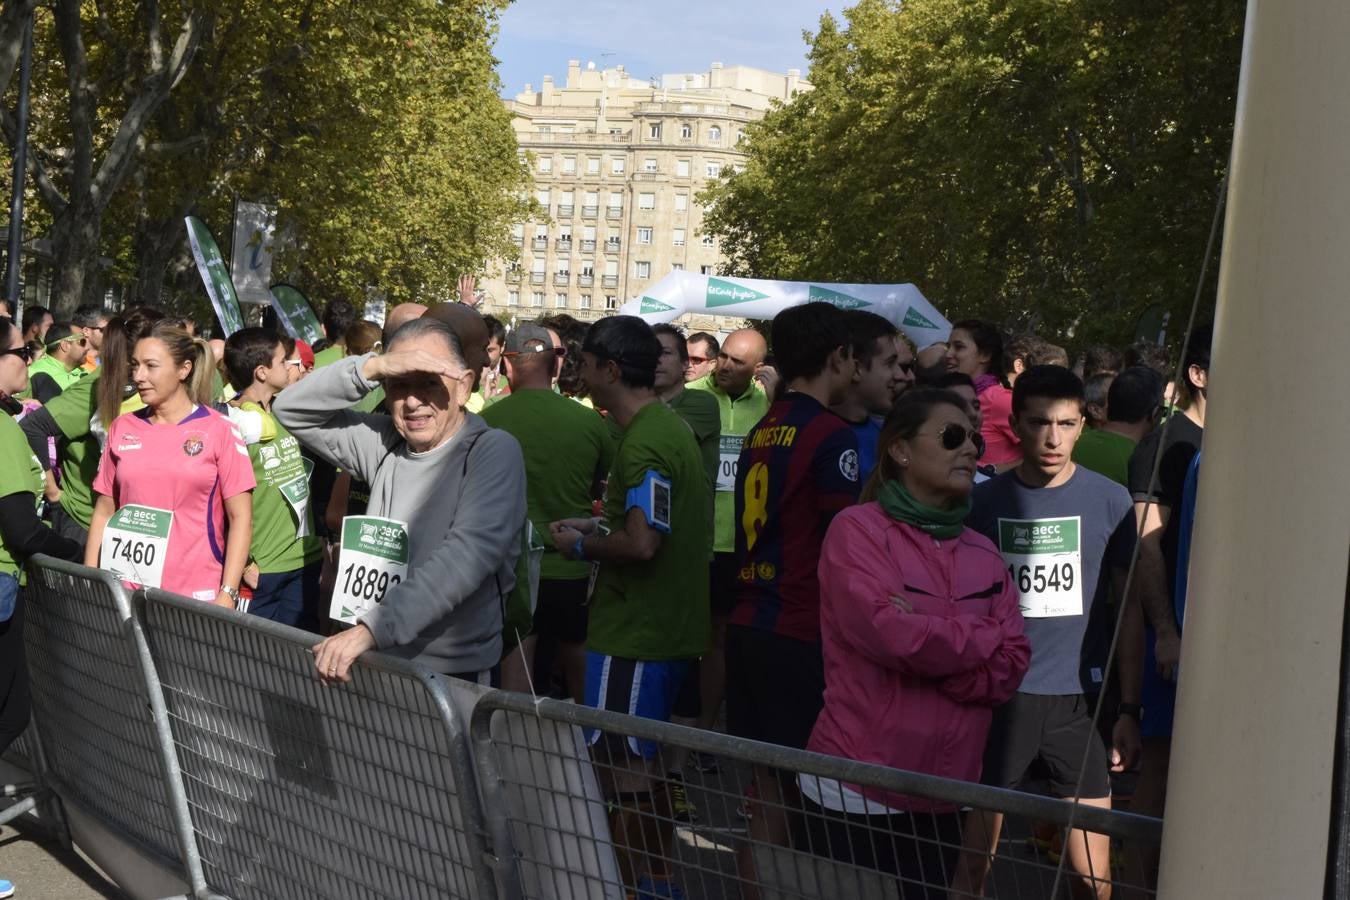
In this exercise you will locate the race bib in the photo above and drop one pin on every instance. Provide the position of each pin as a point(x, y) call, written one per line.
point(136, 544)
point(372, 559)
point(729, 453)
point(1044, 562)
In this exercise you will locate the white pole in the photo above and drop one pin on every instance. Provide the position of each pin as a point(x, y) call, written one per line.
point(1249, 795)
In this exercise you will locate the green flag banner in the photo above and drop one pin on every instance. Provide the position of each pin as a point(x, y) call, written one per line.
point(295, 313)
point(681, 292)
point(215, 275)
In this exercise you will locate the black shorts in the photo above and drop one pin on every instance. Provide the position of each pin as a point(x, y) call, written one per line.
point(775, 686)
point(722, 583)
point(561, 611)
point(1055, 729)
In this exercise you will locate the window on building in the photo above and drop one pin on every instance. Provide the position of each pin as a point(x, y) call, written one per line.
point(537, 299)
point(686, 130)
point(545, 164)
point(654, 130)
point(714, 170)
point(644, 235)
point(705, 270)
point(518, 231)
point(560, 301)
point(588, 232)
point(740, 135)
point(616, 201)
point(678, 237)
point(592, 165)
point(714, 134)
point(681, 202)
point(585, 302)
point(566, 198)
point(649, 166)
point(592, 198)
point(642, 270)
point(708, 241)
point(543, 197)
point(682, 168)
point(646, 201)
point(612, 269)
point(611, 303)
point(616, 165)
point(538, 263)
point(565, 233)
point(588, 270)
point(541, 232)
point(569, 165)
point(679, 266)
point(513, 298)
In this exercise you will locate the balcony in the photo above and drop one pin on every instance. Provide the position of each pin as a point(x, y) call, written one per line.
point(564, 245)
point(513, 276)
point(536, 278)
point(518, 240)
point(610, 281)
point(561, 278)
point(585, 280)
point(539, 243)
point(566, 209)
point(587, 246)
point(611, 246)
point(614, 212)
point(590, 212)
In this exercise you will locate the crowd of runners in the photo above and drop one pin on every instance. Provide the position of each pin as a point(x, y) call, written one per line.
point(915, 557)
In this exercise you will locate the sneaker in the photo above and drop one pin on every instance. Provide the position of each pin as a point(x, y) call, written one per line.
point(704, 763)
point(649, 888)
point(681, 810)
point(6, 889)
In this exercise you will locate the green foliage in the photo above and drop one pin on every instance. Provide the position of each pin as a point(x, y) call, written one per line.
point(1048, 164)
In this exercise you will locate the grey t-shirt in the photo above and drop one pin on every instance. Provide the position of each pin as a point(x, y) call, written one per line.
point(1059, 544)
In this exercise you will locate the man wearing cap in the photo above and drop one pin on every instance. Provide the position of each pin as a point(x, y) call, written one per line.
point(60, 367)
point(567, 455)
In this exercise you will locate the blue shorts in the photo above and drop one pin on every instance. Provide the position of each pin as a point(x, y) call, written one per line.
point(1158, 697)
point(635, 688)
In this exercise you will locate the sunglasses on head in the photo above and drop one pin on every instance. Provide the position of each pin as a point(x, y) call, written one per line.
point(23, 353)
point(953, 436)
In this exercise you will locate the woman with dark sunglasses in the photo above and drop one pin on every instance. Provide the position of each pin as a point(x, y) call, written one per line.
point(922, 638)
point(22, 534)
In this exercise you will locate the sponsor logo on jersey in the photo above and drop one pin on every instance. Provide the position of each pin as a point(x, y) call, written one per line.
point(129, 442)
point(848, 464)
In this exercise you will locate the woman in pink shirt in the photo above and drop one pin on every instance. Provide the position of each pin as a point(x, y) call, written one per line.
point(922, 637)
point(172, 502)
point(975, 348)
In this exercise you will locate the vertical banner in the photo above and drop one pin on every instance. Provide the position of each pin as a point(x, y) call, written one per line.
point(681, 292)
point(251, 251)
point(216, 277)
point(295, 314)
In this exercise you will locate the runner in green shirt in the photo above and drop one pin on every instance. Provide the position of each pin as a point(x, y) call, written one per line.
point(1133, 403)
point(285, 556)
point(60, 367)
point(338, 316)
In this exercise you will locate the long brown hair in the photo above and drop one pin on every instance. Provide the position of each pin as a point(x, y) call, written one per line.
point(119, 338)
point(182, 348)
point(911, 412)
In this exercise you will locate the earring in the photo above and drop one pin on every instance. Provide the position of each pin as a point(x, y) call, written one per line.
point(904, 460)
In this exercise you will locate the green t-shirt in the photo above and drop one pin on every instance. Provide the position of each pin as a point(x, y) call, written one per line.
point(567, 451)
point(1105, 453)
point(78, 453)
point(370, 402)
point(739, 415)
point(20, 473)
point(329, 355)
point(657, 609)
point(283, 522)
point(56, 371)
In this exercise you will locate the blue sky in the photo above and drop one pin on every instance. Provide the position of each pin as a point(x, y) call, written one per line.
point(652, 37)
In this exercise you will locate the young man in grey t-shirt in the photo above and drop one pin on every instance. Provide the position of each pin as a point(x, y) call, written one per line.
point(1065, 534)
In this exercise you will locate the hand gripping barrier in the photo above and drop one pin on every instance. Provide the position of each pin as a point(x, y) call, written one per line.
point(299, 789)
point(103, 744)
point(551, 824)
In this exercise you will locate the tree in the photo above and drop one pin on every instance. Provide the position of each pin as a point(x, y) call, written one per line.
point(1048, 164)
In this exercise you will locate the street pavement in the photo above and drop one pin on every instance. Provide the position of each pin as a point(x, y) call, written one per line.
point(43, 870)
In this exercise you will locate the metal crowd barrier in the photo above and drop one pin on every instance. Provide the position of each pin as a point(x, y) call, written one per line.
point(541, 790)
point(298, 789)
point(102, 740)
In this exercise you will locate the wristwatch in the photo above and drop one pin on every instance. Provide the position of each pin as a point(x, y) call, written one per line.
point(1133, 710)
point(232, 591)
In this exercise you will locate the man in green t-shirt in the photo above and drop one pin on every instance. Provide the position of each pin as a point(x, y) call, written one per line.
point(338, 316)
point(567, 453)
point(285, 555)
point(649, 617)
point(60, 367)
point(1133, 403)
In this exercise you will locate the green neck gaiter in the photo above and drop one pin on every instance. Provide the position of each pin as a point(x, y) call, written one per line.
point(900, 505)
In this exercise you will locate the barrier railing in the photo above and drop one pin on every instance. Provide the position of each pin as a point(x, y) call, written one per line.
point(298, 789)
point(570, 838)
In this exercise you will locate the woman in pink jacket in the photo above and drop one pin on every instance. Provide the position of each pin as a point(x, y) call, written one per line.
point(922, 638)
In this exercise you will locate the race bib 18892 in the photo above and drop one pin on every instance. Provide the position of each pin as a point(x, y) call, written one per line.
point(136, 544)
point(1044, 562)
point(373, 558)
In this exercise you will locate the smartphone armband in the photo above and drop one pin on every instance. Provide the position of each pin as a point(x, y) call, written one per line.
point(652, 496)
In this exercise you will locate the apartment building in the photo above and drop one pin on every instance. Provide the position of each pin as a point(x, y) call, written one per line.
point(618, 163)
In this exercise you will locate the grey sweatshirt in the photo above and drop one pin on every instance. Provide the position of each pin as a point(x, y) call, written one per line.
point(462, 529)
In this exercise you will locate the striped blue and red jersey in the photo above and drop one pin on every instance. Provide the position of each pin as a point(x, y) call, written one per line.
point(798, 468)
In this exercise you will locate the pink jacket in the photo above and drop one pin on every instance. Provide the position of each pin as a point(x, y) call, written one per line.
point(914, 690)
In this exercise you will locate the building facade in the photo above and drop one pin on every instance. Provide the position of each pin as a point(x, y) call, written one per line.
point(618, 163)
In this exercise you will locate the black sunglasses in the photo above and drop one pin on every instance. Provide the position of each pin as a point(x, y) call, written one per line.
point(953, 436)
point(23, 353)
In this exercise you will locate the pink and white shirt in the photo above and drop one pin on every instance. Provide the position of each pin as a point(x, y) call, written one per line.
point(190, 469)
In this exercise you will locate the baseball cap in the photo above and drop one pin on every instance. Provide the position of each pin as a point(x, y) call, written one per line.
point(306, 355)
point(529, 339)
